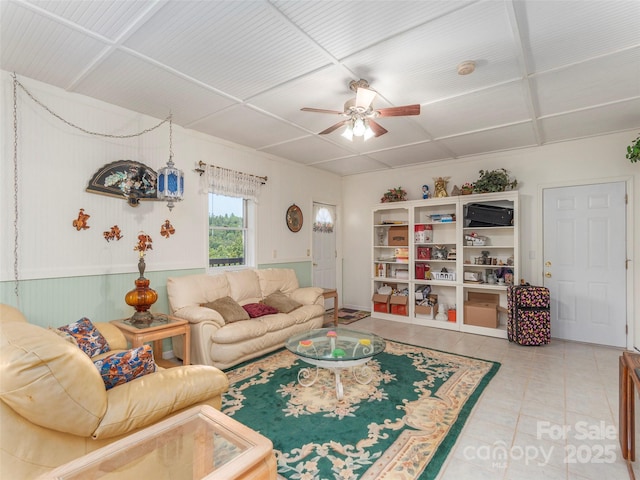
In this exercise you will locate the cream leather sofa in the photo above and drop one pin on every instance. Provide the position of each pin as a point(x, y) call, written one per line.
point(54, 405)
point(214, 342)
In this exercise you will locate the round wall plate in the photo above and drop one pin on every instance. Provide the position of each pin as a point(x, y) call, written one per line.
point(294, 218)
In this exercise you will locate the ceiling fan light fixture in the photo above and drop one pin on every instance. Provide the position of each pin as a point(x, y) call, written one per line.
point(368, 133)
point(348, 133)
point(359, 127)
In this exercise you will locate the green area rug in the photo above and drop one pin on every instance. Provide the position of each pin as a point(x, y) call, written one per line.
point(401, 425)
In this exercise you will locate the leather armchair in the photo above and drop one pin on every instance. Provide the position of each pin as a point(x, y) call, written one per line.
point(54, 406)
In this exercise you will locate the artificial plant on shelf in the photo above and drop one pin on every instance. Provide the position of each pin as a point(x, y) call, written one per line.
point(633, 150)
point(394, 195)
point(494, 181)
point(466, 188)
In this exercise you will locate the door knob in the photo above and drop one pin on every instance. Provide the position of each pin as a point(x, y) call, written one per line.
point(547, 274)
point(547, 263)
point(315, 264)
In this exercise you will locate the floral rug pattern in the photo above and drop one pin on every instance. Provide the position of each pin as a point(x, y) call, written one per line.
point(399, 426)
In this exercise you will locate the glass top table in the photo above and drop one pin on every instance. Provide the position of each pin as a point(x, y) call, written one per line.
point(200, 444)
point(335, 349)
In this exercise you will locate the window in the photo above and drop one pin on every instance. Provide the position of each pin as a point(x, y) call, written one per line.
point(230, 235)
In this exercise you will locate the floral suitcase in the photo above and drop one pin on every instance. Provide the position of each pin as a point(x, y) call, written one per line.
point(529, 321)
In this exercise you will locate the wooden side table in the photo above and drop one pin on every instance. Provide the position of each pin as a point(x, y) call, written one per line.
point(163, 326)
point(332, 293)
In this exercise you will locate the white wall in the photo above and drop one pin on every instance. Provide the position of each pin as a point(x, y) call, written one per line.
point(55, 164)
point(589, 160)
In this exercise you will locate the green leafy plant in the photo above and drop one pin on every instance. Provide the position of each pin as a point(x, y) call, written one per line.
point(494, 181)
point(633, 150)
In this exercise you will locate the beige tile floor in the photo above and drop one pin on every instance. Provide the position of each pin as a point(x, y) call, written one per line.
point(515, 431)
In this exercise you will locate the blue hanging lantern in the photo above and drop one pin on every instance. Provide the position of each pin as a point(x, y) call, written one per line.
point(170, 178)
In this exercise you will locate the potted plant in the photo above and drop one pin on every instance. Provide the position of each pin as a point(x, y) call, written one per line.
point(466, 188)
point(494, 181)
point(633, 150)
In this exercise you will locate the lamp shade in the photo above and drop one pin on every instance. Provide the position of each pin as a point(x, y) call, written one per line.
point(170, 184)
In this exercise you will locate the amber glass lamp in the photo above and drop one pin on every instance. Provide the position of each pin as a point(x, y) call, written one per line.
point(142, 297)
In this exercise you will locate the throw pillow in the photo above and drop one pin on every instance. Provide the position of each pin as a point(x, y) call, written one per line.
point(230, 310)
point(280, 301)
point(87, 336)
point(256, 310)
point(125, 366)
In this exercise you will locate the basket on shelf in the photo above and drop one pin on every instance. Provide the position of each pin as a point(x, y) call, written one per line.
point(446, 276)
point(475, 240)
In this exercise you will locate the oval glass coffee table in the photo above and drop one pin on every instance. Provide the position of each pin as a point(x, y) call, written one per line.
point(335, 349)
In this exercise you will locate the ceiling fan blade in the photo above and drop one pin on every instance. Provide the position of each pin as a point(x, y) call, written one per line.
point(399, 111)
point(333, 127)
point(364, 97)
point(320, 110)
point(377, 128)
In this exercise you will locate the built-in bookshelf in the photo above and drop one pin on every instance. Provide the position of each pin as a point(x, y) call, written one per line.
point(436, 251)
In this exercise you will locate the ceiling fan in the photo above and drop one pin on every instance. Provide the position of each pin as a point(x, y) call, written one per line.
point(360, 114)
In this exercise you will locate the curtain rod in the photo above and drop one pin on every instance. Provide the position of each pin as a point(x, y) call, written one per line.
point(201, 170)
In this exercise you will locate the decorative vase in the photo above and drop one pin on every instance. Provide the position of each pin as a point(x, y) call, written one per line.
point(141, 298)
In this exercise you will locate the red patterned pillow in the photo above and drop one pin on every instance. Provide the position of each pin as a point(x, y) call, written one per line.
point(123, 367)
point(256, 310)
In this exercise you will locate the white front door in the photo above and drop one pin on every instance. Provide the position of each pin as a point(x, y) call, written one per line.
point(584, 262)
point(324, 245)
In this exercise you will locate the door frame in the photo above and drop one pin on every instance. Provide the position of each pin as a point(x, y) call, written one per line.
point(539, 269)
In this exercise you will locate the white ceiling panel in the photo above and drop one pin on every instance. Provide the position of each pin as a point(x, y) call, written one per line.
point(150, 89)
point(610, 118)
point(308, 150)
point(426, 57)
point(546, 71)
point(109, 19)
point(43, 49)
point(239, 47)
point(411, 155)
point(331, 23)
point(579, 86)
point(495, 140)
point(475, 111)
point(352, 165)
point(246, 126)
point(563, 32)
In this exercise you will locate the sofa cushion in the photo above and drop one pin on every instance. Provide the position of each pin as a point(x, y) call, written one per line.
point(42, 373)
point(277, 279)
point(256, 310)
point(281, 302)
point(125, 366)
point(230, 310)
point(87, 337)
point(244, 286)
point(191, 290)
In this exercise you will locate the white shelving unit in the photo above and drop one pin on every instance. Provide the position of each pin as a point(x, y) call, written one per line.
point(449, 248)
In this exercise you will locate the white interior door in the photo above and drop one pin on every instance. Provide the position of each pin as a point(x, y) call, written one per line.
point(584, 262)
point(324, 245)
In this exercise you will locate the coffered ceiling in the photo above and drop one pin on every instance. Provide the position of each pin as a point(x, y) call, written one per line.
point(546, 71)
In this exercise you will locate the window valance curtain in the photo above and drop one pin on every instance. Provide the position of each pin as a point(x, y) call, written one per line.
point(224, 181)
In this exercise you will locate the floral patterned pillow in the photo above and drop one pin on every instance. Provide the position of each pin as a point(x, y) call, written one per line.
point(87, 336)
point(123, 367)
